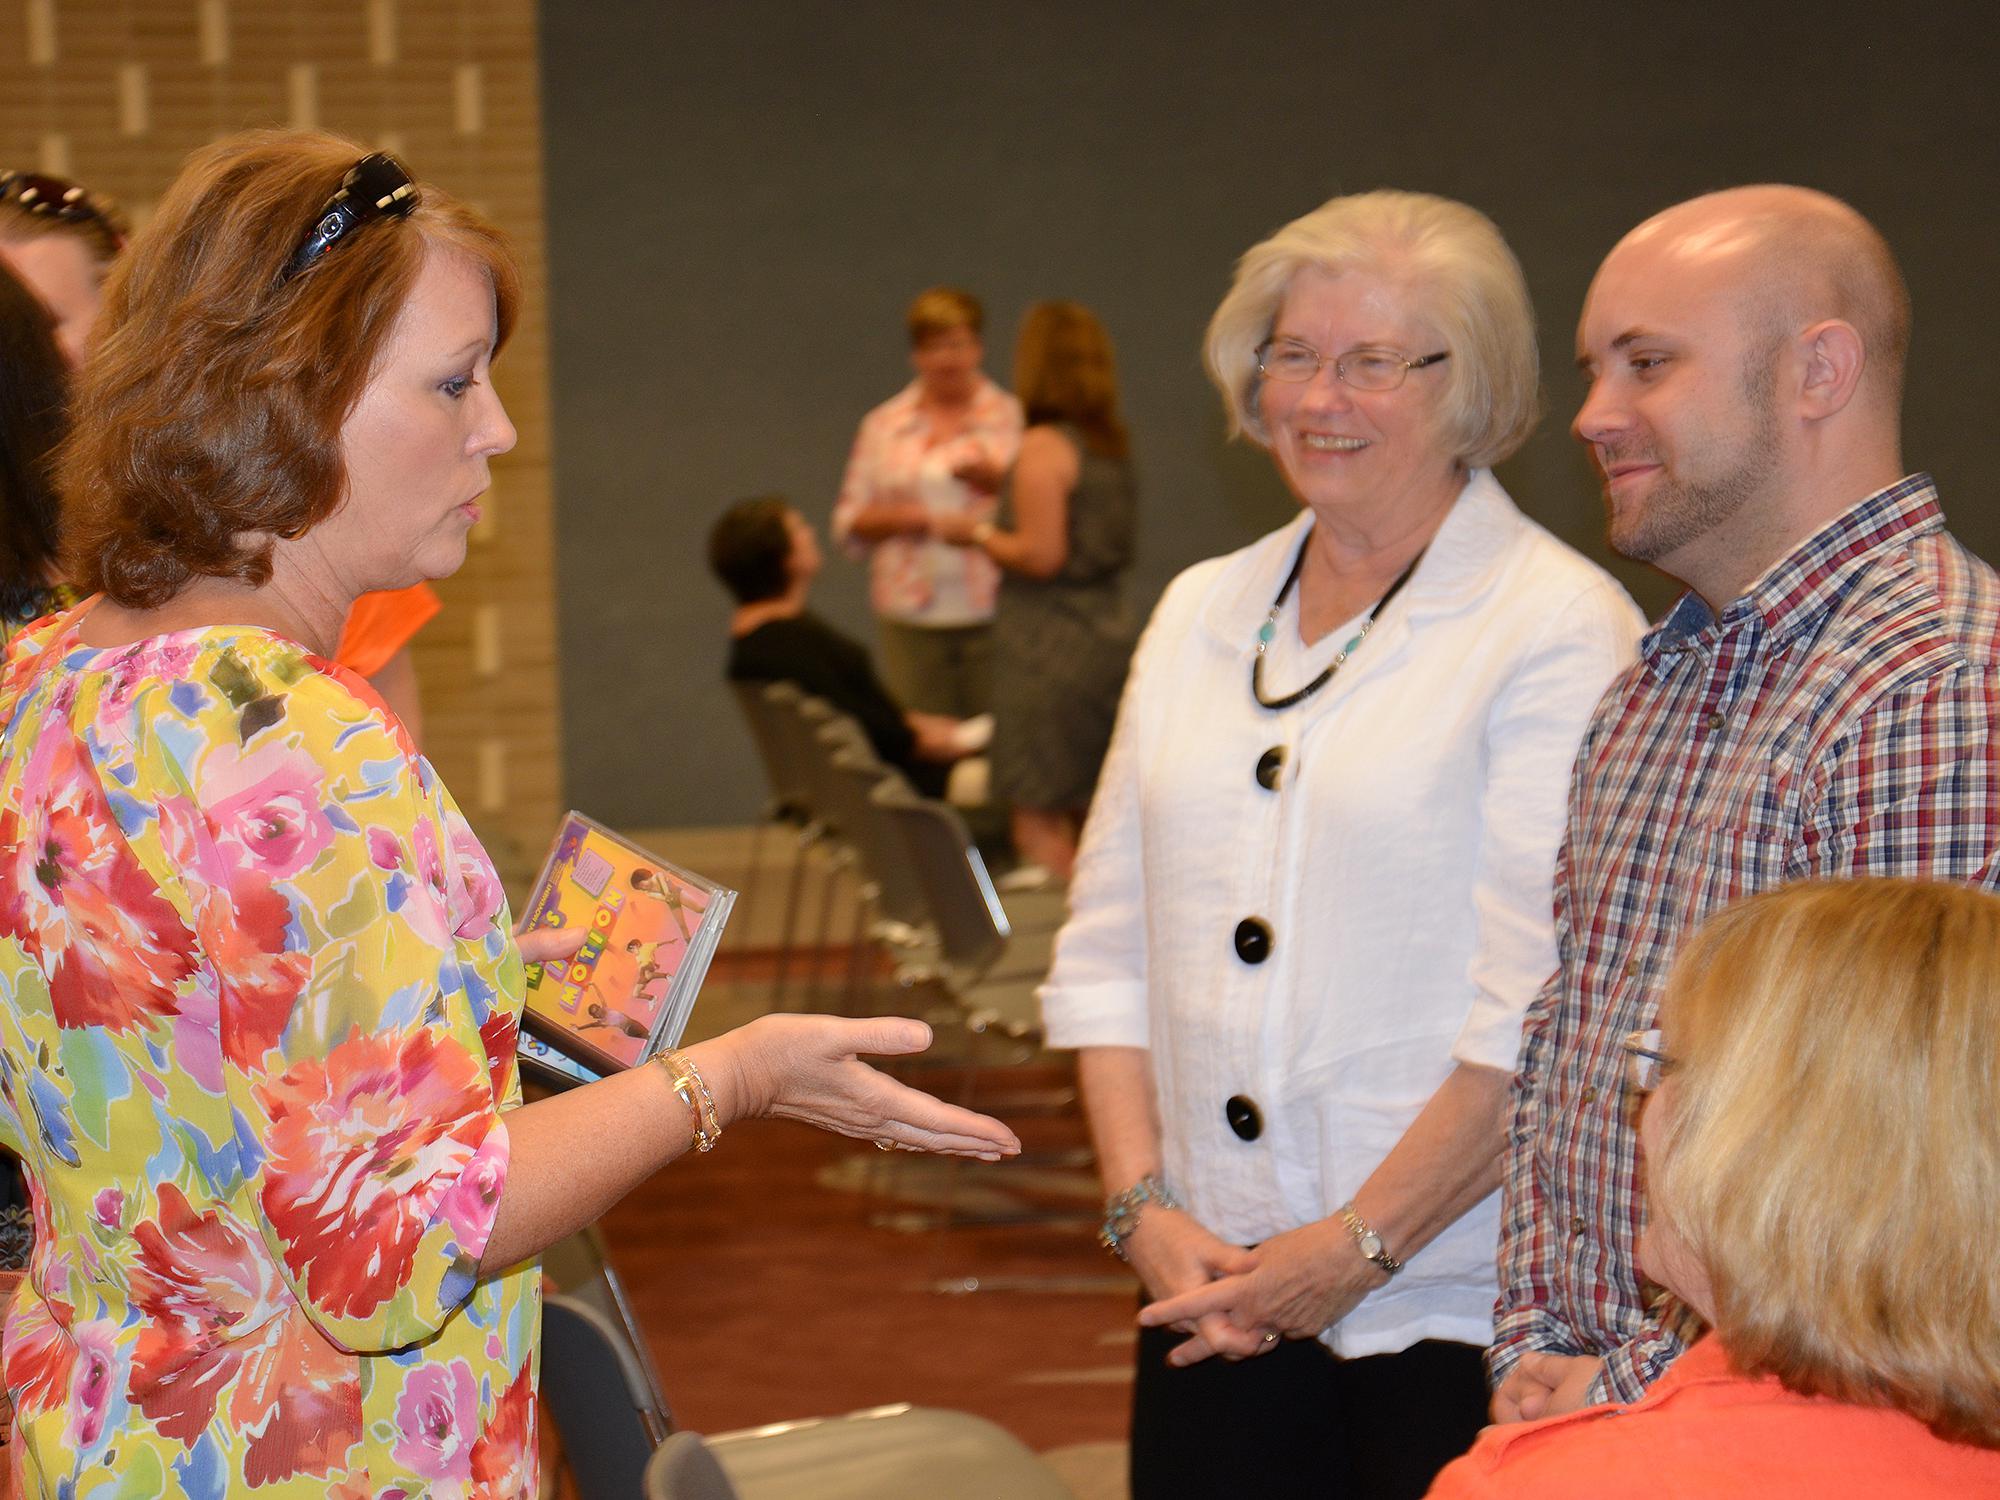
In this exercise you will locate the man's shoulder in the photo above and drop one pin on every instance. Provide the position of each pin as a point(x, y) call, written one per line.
point(1945, 587)
point(1924, 609)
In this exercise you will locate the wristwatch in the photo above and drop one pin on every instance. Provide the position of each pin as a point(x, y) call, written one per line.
point(1121, 1211)
point(1367, 1241)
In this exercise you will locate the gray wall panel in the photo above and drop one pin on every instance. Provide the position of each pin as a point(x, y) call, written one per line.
point(743, 197)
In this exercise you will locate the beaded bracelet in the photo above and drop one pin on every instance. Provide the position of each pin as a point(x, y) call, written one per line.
point(694, 1094)
point(1121, 1211)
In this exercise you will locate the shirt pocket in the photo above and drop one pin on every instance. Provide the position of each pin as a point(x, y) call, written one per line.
point(1726, 864)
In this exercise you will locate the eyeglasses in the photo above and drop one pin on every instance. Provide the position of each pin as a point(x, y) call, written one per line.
point(1645, 1063)
point(1365, 369)
point(377, 186)
point(66, 202)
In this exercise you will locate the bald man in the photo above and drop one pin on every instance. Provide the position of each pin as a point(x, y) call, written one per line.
point(1820, 703)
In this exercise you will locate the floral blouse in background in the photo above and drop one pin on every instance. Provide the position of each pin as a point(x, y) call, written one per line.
point(258, 1001)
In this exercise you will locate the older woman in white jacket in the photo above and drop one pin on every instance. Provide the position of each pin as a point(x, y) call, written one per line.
point(1313, 898)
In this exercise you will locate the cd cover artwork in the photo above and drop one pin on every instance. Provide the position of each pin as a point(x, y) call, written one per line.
point(652, 928)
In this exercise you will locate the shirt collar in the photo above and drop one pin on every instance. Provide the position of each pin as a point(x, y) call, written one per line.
point(906, 403)
point(1456, 566)
point(1794, 594)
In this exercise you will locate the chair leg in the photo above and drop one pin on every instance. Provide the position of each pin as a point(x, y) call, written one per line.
point(750, 902)
point(816, 959)
point(859, 952)
point(794, 898)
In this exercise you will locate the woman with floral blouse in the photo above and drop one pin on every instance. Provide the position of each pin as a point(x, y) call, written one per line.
point(258, 991)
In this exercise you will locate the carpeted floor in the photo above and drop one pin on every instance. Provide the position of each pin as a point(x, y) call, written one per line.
point(770, 1288)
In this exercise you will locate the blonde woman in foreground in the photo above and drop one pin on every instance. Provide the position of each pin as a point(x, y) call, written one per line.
point(1821, 1137)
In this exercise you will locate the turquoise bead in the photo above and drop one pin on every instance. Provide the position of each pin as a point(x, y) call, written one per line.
point(1265, 631)
point(1351, 644)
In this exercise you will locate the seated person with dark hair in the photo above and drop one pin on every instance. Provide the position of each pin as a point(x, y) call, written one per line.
point(766, 555)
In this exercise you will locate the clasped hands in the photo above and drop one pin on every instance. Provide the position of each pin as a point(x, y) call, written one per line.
point(1239, 1302)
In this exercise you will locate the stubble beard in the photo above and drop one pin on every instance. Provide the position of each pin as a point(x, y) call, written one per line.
point(1681, 512)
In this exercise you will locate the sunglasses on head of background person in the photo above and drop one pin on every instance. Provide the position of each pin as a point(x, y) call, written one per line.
point(57, 200)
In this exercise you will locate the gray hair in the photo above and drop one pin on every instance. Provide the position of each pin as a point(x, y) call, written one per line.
point(1466, 282)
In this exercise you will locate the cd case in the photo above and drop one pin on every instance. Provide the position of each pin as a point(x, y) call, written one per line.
point(652, 928)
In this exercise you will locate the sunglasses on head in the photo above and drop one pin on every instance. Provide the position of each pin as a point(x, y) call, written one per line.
point(378, 186)
point(64, 202)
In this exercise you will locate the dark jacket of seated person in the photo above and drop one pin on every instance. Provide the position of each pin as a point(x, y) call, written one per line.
point(766, 555)
point(804, 649)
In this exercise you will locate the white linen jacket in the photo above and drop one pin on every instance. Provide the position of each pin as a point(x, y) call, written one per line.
point(1404, 863)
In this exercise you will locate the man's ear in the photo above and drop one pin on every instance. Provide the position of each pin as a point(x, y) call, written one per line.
point(1833, 357)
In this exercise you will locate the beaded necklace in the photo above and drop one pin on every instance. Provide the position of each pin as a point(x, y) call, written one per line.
point(1270, 628)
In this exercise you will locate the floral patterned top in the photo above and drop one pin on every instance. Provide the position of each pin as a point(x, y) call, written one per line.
point(258, 1002)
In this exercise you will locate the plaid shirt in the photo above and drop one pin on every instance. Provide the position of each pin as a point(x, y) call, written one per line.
point(1836, 720)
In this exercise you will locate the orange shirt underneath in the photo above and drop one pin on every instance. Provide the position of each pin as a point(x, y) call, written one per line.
point(382, 624)
point(1705, 1431)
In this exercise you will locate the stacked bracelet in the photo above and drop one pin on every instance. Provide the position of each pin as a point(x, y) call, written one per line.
point(694, 1094)
point(1121, 1211)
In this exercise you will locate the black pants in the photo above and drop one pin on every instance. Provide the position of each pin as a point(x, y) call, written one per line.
point(1298, 1421)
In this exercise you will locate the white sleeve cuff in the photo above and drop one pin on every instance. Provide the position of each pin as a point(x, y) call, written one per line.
point(1106, 1014)
point(1491, 1035)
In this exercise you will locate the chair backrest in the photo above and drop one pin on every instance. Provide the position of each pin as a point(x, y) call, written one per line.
point(820, 729)
point(684, 1469)
point(971, 923)
point(598, 1394)
point(796, 718)
point(887, 1453)
point(579, 1266)
point(764, 706)
point(899, 893)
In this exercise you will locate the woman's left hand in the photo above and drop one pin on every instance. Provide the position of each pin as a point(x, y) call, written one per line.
point(1306, 1280)
point(540, 944)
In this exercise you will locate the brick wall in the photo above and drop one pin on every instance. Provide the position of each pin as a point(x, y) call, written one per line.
point(116, 95)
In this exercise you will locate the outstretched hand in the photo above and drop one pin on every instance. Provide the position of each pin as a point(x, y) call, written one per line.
point(809, 1068)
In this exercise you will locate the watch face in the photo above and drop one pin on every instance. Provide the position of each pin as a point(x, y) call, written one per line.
point(1371, 1245)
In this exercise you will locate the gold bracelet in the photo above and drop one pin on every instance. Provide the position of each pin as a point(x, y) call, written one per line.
point(694, 1094)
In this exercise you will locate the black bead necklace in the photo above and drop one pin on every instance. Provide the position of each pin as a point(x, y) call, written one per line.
point(1269, 628)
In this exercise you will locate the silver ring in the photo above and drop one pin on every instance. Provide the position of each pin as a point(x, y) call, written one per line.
point(885, 1145)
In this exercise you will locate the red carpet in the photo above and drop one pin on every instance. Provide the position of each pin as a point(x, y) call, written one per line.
point(767, 1295)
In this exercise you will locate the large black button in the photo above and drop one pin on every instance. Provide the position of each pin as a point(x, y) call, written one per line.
point(1253, 940)
point(1269, 764)
point(1244, 1117)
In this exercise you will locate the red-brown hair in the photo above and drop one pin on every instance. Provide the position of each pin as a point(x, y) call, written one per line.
point(207, 421)
point(1064, 371)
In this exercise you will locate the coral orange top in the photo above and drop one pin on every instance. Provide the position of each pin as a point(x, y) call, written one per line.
point(382, 624)
point(1705, 1431)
